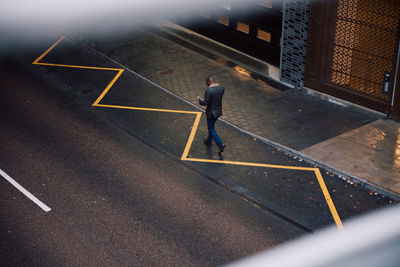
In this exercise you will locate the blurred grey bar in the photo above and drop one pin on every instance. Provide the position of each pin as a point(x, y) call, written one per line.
point(369, 241)
point(72, 15)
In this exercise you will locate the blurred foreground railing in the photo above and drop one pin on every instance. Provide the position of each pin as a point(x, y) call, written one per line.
point(370, 240)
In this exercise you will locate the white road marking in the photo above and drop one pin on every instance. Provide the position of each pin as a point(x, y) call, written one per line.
point(25, 192)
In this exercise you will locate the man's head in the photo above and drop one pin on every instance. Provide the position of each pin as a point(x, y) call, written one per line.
point(210, 80)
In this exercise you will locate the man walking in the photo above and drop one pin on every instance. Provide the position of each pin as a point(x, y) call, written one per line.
point(213, 101)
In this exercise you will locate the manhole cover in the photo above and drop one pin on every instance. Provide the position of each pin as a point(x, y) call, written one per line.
point(166, 72)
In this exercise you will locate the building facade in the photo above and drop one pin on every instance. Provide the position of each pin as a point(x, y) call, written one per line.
point(353, 51)
point(345, 48)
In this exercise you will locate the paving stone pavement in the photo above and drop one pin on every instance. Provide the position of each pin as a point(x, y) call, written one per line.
point(248, 103)
point(377, 153)
point(183, 72)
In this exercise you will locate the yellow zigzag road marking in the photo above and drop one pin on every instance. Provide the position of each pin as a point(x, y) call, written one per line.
point(193, 131)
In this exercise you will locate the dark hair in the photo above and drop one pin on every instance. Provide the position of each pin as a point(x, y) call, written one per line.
point(210, 79)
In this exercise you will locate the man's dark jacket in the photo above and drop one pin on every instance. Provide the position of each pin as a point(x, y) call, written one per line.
point(213, 101)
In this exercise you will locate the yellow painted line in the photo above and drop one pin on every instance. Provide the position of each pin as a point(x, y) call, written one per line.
point(191, 136)
point(193, 131)
point(251, 164)
point(146, 109)
point(48, 50)
point(76, 66)
point(317, 172)
point(328, 199)
point(105, 91)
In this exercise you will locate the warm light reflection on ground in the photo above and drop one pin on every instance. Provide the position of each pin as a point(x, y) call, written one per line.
point(242, 71)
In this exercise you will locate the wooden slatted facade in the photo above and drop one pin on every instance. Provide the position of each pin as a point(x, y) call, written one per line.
point(351, 45)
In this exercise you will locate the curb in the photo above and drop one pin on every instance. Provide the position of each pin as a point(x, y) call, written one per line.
point(350, 178)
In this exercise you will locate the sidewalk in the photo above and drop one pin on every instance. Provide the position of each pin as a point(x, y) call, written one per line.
point(353, 142)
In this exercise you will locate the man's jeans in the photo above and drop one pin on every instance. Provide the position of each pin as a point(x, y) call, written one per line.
point(212, 133)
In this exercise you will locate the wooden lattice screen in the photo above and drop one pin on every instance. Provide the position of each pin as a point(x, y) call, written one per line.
point(351, 45)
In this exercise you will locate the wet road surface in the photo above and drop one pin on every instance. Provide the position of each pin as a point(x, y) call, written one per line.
point(114, 179)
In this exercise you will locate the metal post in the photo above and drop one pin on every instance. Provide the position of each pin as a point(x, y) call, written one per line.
point(396, 73)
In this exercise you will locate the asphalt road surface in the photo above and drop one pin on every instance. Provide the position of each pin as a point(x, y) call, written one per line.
point(114, 180)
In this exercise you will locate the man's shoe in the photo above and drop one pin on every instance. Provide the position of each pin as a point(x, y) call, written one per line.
point(207, 143)
point(221, 149)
